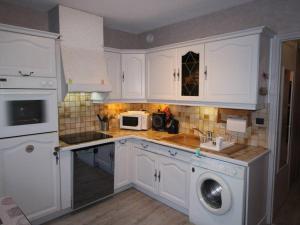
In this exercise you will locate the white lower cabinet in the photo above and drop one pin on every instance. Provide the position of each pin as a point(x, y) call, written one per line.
point(146, 170)
point(122, 164)
point(29, 172)
point(174, 180)
point(164, 176)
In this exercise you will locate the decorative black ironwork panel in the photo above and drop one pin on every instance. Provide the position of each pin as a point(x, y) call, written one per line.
point(190, 74)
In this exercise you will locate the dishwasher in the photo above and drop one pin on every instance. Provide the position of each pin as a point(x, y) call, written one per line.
point(93, 174)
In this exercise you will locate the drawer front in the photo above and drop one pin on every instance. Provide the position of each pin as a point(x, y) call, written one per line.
point(164, 150)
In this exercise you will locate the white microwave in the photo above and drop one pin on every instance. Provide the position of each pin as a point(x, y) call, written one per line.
point(135, 120)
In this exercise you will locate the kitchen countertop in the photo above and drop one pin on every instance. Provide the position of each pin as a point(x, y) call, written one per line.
point(238, 154)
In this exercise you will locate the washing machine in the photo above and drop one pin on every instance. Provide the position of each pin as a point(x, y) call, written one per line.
point(217, 192)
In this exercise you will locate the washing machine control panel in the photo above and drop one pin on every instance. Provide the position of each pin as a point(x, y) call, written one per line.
point(215, 165)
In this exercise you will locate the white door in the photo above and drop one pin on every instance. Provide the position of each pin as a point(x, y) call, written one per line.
point(133, 76)
point(162, 75)
point(174, 178)
point(232, 70)
point(113, 62)
point(29, 172)
point(26, 55)
point(190, 73)
point(145, 171)
point(122, 151)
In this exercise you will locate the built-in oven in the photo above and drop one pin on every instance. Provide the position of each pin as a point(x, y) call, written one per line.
point(28, 110)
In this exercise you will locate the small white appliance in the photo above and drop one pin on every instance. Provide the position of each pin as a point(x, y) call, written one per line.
point(27, 106)
point(135, 120)
point(217, 192)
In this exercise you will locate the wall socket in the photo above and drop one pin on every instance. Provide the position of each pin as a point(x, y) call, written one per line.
point(260, 121)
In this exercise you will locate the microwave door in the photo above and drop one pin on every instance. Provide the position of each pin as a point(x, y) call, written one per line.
point(131, 122)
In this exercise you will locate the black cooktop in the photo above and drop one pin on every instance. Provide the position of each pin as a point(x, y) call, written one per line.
point(78, 138)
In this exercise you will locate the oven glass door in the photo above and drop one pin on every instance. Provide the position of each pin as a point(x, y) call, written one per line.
point(25, 112)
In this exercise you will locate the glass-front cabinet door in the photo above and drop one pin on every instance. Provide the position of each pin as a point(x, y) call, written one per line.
point(190, 74)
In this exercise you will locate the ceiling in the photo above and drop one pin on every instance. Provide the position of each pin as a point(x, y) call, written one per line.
point(137, 16)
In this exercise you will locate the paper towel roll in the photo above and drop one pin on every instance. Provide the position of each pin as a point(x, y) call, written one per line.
point(236, 125)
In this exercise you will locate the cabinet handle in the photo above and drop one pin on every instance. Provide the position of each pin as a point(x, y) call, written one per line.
point(122, 142)
point(155, 175)
point(29, 148)
point(25, 74)
point(178, 75)
point(159, 176)
point(172, 153)
point(55, 153)
point(174, 75)
point(123, 77)
point(205, 72)
point(3, 80)
point(144, 145)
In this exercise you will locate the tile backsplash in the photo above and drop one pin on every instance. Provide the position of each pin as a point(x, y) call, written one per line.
point(78, 114)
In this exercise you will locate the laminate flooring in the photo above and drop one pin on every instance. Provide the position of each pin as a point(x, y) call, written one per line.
point(289, 214)
point(130, 207)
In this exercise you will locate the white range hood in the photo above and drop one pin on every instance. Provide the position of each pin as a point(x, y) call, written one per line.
point(84, 70)
point(82, 53)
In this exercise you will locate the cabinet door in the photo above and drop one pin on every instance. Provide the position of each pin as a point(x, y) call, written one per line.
point(174, 181)
point(145, 163)
point(161, 75)
point(133, 76)
point(190, 72)
point(122, 150)
point(232, 70)
point(26, 55)
point(113, 62)
point(29, 173)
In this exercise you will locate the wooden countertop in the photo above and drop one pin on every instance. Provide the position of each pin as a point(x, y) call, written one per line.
point(185, 142)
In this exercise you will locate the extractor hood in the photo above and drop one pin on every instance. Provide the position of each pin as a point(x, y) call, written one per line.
point(82, 54)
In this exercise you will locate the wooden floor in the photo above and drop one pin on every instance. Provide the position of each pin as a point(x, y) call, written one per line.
point(289, 214)
point(127, 208)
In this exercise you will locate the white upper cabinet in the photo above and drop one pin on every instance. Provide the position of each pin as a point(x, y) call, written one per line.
point(113, 62)
point(26, 55)
point(133, 76)
point(29, 172)
point(232, 70)
point(224, 71)
point(190, 72)
point(162, 75)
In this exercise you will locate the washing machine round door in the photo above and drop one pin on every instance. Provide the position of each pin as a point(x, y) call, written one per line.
point(213, 193)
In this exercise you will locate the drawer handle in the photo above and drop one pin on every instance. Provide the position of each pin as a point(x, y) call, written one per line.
point(122, 142)
point(172, 153)
point(144, 145)
point(155, 175)
point(25, 74)
point(29, 148)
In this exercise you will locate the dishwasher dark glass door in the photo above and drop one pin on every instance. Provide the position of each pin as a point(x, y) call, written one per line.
point(93, 174)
